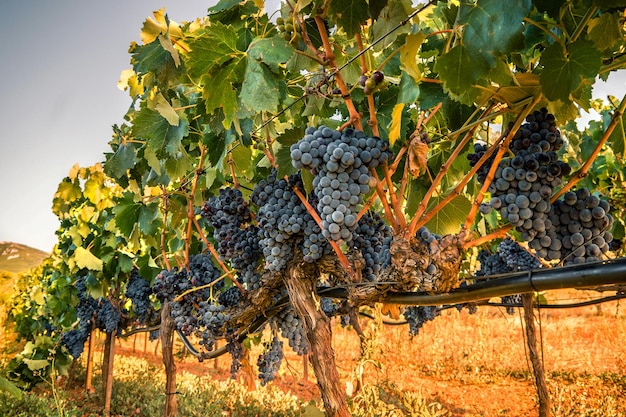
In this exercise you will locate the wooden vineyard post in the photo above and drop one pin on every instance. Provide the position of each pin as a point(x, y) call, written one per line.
point(302, 291)
point(535, 357)
point(107, 371)
point(90, 353)
point(167, 349)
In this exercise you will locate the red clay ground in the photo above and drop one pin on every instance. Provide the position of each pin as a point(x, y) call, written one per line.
point(473, 365)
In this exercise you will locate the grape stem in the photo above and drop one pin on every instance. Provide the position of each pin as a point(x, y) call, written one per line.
point(365, 208)
point(340, 255)
point(231, 164)
point(496, 234)
point(373, 121)
point(190, 205)
point(355, 116)
point(421, 209)
point(395, 202)
point(165, 210)
point(383, 199)
point(582, 171)
point(416, 224)
point(202, 287)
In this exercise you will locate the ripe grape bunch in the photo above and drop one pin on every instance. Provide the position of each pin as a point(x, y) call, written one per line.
point(341, 163)
point(372, 238)
point(194, 293)
point(284, 223)
point(269, 361)
point(524, 185)
point(417, 316)
point(74, 339)
point(138, 291)
point(582, 227)
point(229, 215)
point(509, 257)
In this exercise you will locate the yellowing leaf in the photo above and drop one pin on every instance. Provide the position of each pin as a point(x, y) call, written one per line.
point(166, 110)
point(36, 364)
point(396, 123)
point(418, 156)
point(128, 79)
point(167, 44)
point(86, 259)
point(408, 55)
point(152, 28)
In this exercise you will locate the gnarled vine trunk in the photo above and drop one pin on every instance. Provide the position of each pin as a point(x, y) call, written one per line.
point(302, 293)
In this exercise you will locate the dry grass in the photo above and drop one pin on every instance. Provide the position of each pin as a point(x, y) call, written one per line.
point(464, 365)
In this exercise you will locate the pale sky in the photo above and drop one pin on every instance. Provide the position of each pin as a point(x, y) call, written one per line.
point(60, 64)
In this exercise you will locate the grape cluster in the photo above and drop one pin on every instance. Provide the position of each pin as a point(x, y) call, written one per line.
point(190, 291)
point(510, 301)
point(417, 316)
point(524, 182)
point(235, 348)
point(581, 228)
point(138, 291)
point(284, 223)
point(87, 312)
point(227, 208)
point(375, 82)
point(211, 324)
point(292, 329)
point(573, 229)
point(431, 275)
point(169, 283)
point(237, 239)
point(74, 340)
point(108, 317)
point(509, 257)
point(230, 297)
point(516, 257)
point(269, 361)
point(372, 237)
point(288, 30)
point(341, 163)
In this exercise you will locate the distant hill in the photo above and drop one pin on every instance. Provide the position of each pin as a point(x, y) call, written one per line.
point(16, 258)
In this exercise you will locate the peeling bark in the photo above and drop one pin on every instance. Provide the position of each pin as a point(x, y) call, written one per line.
point(535, 357)
point(302, 293)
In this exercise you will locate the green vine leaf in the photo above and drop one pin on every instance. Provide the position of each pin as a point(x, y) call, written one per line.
point(130, 214)
point(121, 160)
point(450, 218)
point(459, 69)
point(389, 18)
point(618, 136)
point(214, 48)
point(165, 109)
point(158, 132)
point(262, 87)
point(605, 30)
point(220, 89)
point(492, 27)
point(562, 74)
point(350, 14)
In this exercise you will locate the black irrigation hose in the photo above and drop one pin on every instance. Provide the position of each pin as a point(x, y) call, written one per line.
point(587, 275)
point(488, 304)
